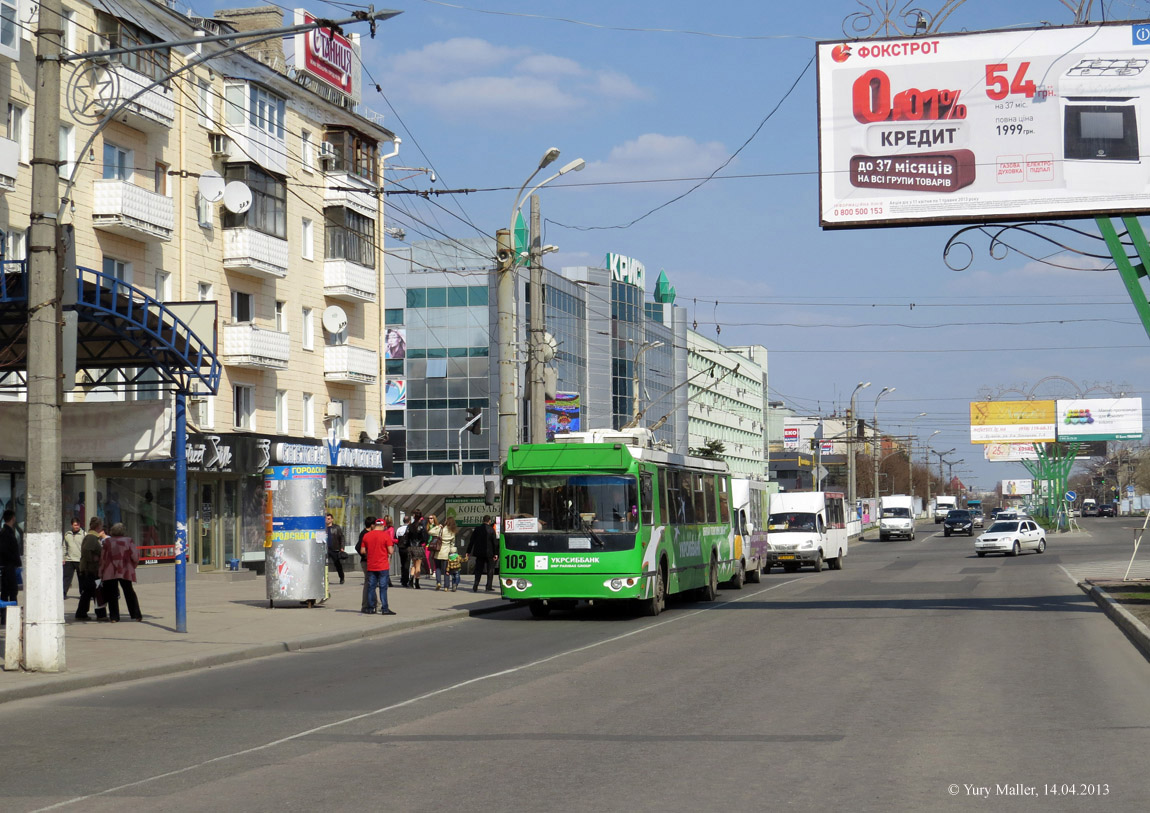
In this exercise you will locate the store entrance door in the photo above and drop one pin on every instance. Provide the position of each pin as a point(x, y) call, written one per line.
point(205, 550)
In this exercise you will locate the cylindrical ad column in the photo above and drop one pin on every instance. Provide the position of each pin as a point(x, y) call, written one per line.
point(295, 542)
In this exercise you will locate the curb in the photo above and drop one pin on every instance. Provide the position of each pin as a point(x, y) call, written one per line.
point(58, 684)
point(1135, 630)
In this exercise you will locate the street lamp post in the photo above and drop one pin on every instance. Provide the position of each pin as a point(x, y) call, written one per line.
point(910, 460)
point(875, 448)
point(926, 457)
point(643, 348)
point(852, 477)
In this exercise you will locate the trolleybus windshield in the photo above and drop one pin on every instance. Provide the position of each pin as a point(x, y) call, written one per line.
point(601, 503)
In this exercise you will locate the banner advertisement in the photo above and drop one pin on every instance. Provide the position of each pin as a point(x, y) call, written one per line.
point(1012, 421)
point(328, 56)
point(1017, 488)
point(1001, 125)
point(1009, 452)
point(1100, 419)
point(791, 438)
point(562, 413)
point(395, 393)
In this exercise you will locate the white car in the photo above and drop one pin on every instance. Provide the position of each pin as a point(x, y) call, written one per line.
point(1011, 537)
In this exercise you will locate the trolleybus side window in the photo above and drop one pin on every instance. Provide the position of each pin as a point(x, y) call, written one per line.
point(696, 481)
point(646, 498)
point(724, 501)
point(709, 497)
point(662, 486)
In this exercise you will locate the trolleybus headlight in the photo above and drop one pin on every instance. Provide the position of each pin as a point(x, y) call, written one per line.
point(615, 584)
point(522, 584)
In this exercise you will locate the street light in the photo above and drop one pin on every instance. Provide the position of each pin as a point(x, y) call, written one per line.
point(926, 457)
point(852, 477)
point(874, 449)
point(910, 462)
point(505, 303)
point(643, 348)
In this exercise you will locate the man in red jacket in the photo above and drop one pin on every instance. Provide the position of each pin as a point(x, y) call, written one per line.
point(377, 546)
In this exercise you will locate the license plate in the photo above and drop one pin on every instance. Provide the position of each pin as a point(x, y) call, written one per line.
point(786, 556)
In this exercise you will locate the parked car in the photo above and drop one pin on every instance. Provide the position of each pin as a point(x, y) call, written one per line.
point(1011, 537)
point(1107, 509)
point(958, 521)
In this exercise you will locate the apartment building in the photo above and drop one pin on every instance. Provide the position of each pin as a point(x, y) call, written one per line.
point(291, 252)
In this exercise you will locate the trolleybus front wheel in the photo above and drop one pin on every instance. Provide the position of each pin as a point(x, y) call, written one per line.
point(655, 604)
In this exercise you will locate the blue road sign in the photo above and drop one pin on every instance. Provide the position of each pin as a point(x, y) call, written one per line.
point(1071, 496)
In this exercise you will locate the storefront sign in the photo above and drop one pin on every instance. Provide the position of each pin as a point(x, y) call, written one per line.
point(470, 511)
point(627, 269)
point(331, 453)
point(329, 57)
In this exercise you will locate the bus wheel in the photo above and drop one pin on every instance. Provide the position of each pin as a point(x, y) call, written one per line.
point(654, 605)
point(736, 581)
point(539, 609)
point(754, 576)
point(818, 563)
point(711, 590)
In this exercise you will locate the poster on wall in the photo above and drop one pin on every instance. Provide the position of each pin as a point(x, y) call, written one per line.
point(395, 343)
point(562, 413)
point(395, 394)
point(998, 125)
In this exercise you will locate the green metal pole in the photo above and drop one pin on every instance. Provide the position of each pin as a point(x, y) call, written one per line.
point(1130, 273)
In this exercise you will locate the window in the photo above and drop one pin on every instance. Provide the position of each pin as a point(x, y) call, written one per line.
point(163, 287)
point(12, 246)
point(117, 163)
point(268, 212)
point(8, 17)
point(308, 415)
point(307, 150)
point(154, 64)
point(204, 292)
point(71, 29)
point(354, 153)
point(206, 105)
point(281, 316)
point(266, 111)
point(67, 149)
point(308, 239)
point(243, 307)
point(281, 412)
point(308, 329)
point(118, 269)
point(393, 316)
point(161, 179)
point(350, 236)
point(244, 402)
point(18, 128)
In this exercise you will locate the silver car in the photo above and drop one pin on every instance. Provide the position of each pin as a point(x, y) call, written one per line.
point(1011, 537)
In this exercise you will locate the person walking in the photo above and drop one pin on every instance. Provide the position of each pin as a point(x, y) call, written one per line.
point(118, 560)
point(416, 539)
point(88, 570)
point(335, 545)
point(73, 539)
point(368, 524)
point(431, 543)
point(404, 553)
point(10, 561)
point(378, 544)
point(447, 534)
point(484, 548)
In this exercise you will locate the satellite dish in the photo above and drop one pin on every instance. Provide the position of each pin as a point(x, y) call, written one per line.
point(237, 197)
point(334, 319)
point(211, 186)
point(548, 348)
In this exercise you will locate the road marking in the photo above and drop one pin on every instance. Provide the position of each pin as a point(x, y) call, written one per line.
point(412, 700)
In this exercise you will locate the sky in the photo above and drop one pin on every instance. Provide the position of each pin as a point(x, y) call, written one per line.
point(657, 95)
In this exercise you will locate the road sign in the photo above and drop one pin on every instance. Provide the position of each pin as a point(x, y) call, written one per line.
point(1071, 496)
point(1130, 491)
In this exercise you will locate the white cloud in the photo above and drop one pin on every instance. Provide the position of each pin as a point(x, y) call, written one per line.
point(615, 85)
point(653, 155)
point(492, 94)
point(459, 56)
point(551, 65)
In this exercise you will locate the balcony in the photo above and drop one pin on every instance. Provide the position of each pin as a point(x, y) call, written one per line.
point(343, 279)
point(348, 364)
point(153, 111)
point(9, 164)
point(132, 211)
point(255, 348)
point(253, 252)
point(249, 143)
point(352, 191)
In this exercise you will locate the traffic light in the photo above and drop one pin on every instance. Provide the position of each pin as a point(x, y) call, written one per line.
point(860, 429)
point(473, 414)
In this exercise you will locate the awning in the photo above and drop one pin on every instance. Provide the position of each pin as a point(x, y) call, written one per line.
point(428, 494)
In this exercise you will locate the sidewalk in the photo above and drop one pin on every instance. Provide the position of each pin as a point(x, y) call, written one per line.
point(230, 621)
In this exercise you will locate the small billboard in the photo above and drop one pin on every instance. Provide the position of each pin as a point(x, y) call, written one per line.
point(1012, 421)
point(986, 126)
point(791, 438)
point(1017, 488)
point(1100, 419)
point(1009, 452)
point(562, 413)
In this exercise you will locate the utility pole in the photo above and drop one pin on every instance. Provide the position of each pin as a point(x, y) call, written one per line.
point(505, 304)
point(535, 383)
point(43, 598)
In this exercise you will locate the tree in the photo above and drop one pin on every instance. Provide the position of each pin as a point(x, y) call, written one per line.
point(711, 450)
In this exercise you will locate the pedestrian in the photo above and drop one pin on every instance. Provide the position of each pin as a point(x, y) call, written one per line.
point(335, 545)
point(118, 560)
point(430, 546)
point(368, 524)
point(73, 539)
point(88, 571)
point(454, 567)
point(416, 539)
point(404, 553)
point(447, 533)
point(378, 544)
point(484, 548)
point(9, 561)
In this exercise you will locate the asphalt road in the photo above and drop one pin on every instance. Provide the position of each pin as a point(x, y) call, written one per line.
point(918, 678)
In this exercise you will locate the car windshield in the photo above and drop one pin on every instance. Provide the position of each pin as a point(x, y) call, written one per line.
point(1003, 527)
point(575, 502)
point(960, 515)
point(901, 513)
point(792, 521)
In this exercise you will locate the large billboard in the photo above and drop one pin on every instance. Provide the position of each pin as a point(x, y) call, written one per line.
point(1002, 125)
point(327, 56)
point(1100, 419)
point(1011, 421)
point(1017, 488)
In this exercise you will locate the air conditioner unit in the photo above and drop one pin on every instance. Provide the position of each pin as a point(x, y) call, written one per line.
point(220, 144)
point(334, 409)
point(98, 42)
point(326, 154)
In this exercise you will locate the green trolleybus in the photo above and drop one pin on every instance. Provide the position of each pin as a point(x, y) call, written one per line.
point(605, 515)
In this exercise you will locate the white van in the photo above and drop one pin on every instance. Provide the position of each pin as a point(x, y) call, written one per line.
point(806, 528)
point(896, 517)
